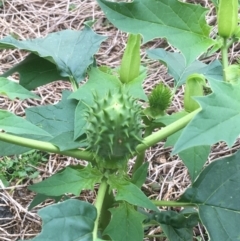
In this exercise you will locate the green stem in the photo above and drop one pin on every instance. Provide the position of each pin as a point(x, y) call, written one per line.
point(73, 83)
point(98, 205)
point(140, 157)
point(224, 51)
point(231, 42)
point(172, 204)
point(166, 131)
point(45, 146)
point(108, 203)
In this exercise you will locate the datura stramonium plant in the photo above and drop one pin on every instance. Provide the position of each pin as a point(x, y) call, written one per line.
point(114, 128)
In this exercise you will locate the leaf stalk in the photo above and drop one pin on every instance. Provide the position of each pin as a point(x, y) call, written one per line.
point(98, 205)
point(224, 51)
point(172, 204)
point(45, 146)
point(166, 131)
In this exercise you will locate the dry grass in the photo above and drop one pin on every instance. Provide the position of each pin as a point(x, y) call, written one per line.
point(167, 178)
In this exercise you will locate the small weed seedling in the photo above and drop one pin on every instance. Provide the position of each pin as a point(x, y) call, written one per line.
point(103, 122)
point(18, 168)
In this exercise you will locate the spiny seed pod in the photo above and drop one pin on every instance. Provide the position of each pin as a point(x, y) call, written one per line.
point(114, 128)
point(159, 99)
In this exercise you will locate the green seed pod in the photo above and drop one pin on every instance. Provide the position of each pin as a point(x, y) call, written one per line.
point(114, 128)
point(227, 17)
point(194, 87)
point(131, 61)
point(159, 100)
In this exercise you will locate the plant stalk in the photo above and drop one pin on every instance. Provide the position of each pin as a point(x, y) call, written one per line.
point(172, 204)
point(73, 83)
point(166, 131)
point(98, 205)
point(45, 146)
point(224, 51)
point(140, 157)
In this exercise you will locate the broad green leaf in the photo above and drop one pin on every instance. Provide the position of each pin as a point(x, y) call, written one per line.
point(216, 192)
point(99, 83)
point(8, 149)
point(179, 70)
point(71, 51)
point(80, 120)
point(195, 157)
point(58, 120)
point(65, 141)
point(167, 120)
point(35, 71)
point(130, 65)
point(183, 25)
point(39, 198)
point(126, 224)
point(127, 191)
point(217, 121)
point(70, 220)
point(68, 181)
point(140, 175)
point(14, 90)
point(177, 226)
point(135, 87)
point(17, 125)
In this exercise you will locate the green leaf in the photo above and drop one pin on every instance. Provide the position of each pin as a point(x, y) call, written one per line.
point(177, 226)
point(169, 19)
point(14, 90)
point(17, 125)
point(71, 51)
point(169, 119)
point(215, 2)
point(39, 198)
point(179, 70)
point(126, 224)
point(194, 158)
point(80, 120)
point(3, 180)
point(140, 175)
point(98, 83)
point(130, 65)
point(135, 87)
point(65, 141)
point(8, 149)
point(67, 221)
point(68, 181)
point(217, 121)
point(127, 191)
point(58, 120)
point(35, 71)
point(216, 192)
